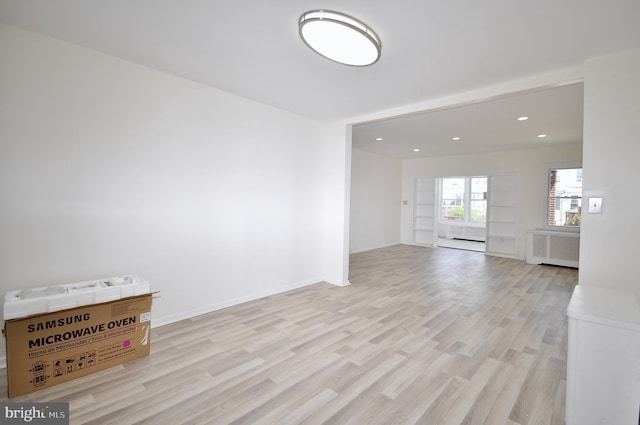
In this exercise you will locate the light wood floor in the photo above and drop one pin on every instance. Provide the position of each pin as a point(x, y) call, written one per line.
point(428, 336)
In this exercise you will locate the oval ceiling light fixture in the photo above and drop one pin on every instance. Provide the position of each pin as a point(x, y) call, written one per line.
point(339, 37)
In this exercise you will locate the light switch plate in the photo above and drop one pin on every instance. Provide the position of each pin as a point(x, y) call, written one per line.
point(595, 206)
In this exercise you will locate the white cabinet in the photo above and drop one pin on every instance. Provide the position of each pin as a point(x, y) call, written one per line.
point(603, 357)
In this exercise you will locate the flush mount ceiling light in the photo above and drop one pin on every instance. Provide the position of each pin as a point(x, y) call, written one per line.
point(339, 37)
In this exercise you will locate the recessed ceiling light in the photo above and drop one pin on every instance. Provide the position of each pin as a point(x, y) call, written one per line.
point(339, 37)
point(379, 139)
point(523, 118)
point(416, 150)
point(455, 138)
point(541, 136)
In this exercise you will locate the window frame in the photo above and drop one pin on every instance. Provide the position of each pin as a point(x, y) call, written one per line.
point(466, 201)
point(548, 205)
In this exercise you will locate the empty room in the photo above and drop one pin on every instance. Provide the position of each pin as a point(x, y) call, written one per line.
point(429, 221)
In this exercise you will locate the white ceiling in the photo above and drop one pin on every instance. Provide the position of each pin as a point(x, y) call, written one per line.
point(430, 50)
point(488, 126)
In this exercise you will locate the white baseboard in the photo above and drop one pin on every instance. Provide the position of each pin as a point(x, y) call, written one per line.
point(421, 245)
point(371, 248)
point(210, 308)
point(341, 284)
point(229, 303)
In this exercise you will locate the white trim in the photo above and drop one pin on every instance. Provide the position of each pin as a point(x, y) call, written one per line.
point(558, 78)
point(340, 284)
point(421, 245)
point(229, 303)
point(467, 200)
point(374, 247)
point(558, 165)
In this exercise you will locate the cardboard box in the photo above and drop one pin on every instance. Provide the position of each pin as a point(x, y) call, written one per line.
point(47, 299)
point(47, 349)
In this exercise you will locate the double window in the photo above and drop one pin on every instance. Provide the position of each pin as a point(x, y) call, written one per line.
point(464, 199)
point(565, 197)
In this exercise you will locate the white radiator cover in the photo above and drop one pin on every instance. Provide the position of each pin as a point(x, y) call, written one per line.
point(553, 247)
point(461, 231)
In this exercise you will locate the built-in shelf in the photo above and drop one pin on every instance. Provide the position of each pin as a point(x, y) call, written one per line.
point(502, 216)
point(423, 213)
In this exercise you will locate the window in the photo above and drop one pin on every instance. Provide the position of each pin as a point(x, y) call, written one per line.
point(464, 199)
point(478, 200)
point(453, 199)
point(565, 197)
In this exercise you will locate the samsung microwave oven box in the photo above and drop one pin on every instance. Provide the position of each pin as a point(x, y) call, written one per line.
point(51, 348)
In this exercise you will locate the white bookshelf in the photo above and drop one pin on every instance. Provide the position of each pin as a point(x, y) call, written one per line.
point(502, 216)
point(424, 211)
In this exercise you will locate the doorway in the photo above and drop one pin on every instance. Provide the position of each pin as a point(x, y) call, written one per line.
point(462, 214)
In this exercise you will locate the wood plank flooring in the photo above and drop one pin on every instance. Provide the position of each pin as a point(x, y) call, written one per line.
point(422, 336)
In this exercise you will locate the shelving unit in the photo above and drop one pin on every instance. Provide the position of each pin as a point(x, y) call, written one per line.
point(502, 216)
point(424, 211)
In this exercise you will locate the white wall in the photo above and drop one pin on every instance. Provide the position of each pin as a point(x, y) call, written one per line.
point(529, 165)
point(376, 183)
point(337, 144)
point(107, 168)
point(609, 241)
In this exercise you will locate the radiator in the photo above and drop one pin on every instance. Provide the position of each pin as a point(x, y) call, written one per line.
point(553, 247)
point(471, 233)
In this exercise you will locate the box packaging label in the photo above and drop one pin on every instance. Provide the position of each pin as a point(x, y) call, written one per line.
point(51, 348)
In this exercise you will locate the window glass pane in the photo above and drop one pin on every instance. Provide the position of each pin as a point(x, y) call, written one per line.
point(478, 211)
point(478, 185)
point(458, 205)
point(565, 197)
point(478, 200)
point(453, 198)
